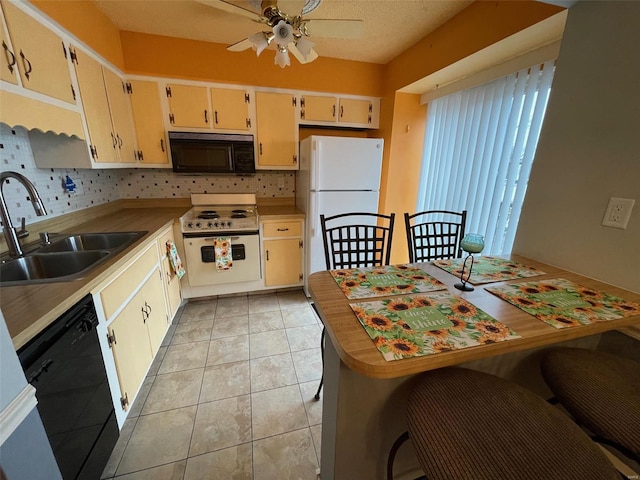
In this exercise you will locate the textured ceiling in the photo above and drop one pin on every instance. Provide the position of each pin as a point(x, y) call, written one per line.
point(390, 26)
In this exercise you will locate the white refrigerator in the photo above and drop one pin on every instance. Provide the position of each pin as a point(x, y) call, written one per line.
point(337, 175)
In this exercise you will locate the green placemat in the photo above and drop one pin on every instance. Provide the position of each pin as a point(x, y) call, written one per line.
point(489, 269)
point(425, 324)
point(384, 281)
point(562, 303)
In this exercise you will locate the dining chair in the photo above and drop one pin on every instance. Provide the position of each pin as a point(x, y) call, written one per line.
point(601, 391)
point(353, 240)
point(434, 234)
point(469, 424)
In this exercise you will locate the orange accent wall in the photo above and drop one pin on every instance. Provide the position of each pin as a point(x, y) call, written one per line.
point(147, 54)
point(481, 24)
point(84, 20)
point(401, 170)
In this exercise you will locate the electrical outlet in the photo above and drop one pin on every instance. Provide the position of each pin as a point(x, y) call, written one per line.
point(618, 212)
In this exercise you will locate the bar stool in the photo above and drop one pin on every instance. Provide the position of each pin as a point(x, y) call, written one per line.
point(466, 424)
point(601, 391)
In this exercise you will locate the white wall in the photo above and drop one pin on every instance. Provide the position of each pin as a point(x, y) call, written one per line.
point(589, 149)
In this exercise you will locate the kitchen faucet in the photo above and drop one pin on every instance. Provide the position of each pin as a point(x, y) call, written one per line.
point(11, 235)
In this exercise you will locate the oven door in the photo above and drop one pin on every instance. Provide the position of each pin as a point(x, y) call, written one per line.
point(201, 260)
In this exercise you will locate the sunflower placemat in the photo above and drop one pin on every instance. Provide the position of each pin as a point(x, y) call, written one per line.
point(383, 281)
point(424, 324)
point(562, 303)
point(489, 269)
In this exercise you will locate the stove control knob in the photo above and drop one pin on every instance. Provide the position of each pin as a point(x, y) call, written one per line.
point(209, 225)
point(216, 224)
point(190, 225)
point(228, 224)
point(198, 225)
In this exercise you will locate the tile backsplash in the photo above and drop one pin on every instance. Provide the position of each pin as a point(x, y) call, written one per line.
point(95, 187)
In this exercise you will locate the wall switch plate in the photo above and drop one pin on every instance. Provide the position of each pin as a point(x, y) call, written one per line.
point(618, 212)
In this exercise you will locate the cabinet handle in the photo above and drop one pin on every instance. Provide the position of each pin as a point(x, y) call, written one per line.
point(113, 139)
point(27, 65)
point(11, 58)
point(206, 117)
point(144, 315)
point(162, 144)
point(119, 141)
point(341, 111)
point(333, 112)
point(283, 230)
point(215, 115)
point(260, 148)
point(267, 252)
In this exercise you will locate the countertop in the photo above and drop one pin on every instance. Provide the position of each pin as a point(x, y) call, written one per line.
point(357, 351)
point(28, 309)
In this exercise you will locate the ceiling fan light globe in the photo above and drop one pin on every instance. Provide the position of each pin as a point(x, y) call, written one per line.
point(283, 32)
point(259, 42)
point(282, 58)
point(305, 45)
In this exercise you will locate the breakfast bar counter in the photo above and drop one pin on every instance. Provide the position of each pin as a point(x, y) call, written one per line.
point(364, 395)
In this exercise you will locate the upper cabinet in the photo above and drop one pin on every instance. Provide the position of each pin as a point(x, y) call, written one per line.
point(107, 110)
point(231, 109)
point(188, 106)
point(277, 131)
point(340, 111)
point(38, 54)
point(147, 115)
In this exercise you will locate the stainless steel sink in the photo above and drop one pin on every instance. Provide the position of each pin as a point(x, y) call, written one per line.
point(67, 258)
point(92, 241)
point(37, 268)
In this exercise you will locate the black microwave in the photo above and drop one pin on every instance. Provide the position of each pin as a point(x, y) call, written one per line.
point(213, 153)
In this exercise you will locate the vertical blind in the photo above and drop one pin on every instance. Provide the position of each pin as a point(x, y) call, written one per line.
point(479, 148)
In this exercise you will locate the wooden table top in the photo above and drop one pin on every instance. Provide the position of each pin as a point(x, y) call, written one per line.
point(358, 352)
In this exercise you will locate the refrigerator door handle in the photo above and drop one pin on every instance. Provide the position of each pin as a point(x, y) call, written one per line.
point(313, 199)
point(314, 167)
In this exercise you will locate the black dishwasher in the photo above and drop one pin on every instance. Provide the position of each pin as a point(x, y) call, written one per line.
point(64, 363)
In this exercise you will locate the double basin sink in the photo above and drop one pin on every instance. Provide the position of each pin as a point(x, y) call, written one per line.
point(66, 258)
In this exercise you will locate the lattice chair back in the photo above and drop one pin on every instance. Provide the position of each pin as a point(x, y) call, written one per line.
point(353, 240)
point(434, 234)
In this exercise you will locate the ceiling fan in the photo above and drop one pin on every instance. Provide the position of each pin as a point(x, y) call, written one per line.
point(289, 32)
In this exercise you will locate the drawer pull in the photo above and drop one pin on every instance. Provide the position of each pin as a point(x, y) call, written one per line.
point(283, 229)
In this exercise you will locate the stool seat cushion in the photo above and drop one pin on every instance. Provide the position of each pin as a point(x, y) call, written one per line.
point(466, 424)
point(601, 390)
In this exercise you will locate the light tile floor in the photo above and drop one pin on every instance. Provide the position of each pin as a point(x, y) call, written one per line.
point(229, 395)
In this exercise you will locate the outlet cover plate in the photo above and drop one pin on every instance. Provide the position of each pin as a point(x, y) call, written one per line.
point(618, 212)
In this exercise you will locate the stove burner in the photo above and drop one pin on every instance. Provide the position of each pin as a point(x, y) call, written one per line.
point(208, 214)
point(238, 211)
point(238, 215)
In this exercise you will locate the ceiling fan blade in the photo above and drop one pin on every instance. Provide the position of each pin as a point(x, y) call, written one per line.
point(291, 7)
point(333, 28)
point(311, 56)
point(232, 8)
point(240, 46)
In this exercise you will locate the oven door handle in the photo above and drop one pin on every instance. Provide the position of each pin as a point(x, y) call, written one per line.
point(212, 239)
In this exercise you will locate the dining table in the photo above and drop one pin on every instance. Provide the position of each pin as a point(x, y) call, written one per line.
point(365, 391)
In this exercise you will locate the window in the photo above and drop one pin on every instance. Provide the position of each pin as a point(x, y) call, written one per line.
point(479, 148)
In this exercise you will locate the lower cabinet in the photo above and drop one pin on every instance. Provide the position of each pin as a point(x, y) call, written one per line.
point(283, 253)
point(135, 308)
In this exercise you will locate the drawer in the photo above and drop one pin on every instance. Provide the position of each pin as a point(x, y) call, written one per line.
point(282, 229)
point(123, 286)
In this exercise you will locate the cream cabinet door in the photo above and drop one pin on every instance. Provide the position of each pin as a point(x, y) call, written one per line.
point(9, 61)
point(131, 348)
point(103, 141)
point(147, 116)
point(188, 106)
point(121, 116)
point(40, 54)
point(277, 130)
point(153, 307)
point(355, 111)
point(170, 279)
point(283, 262)
point(230, 109)
point(315, 108)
